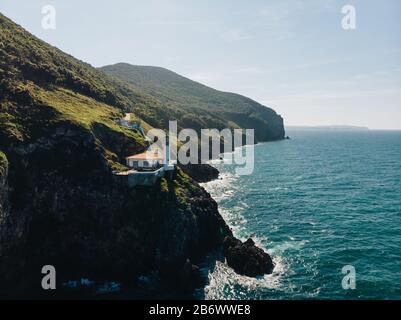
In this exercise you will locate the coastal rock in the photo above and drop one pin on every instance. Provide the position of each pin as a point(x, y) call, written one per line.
point(201, 172)
point(73, 215)
point(247, 259)
point(61, 203)
point(190, 277)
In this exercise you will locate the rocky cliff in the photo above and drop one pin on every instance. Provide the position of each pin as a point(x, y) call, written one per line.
point(60, 204)
point(69, 211)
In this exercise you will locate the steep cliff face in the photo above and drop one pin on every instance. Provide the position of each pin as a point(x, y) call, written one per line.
point(69, 211)
point(60, 204)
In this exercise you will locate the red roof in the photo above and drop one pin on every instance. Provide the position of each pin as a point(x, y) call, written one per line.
point(148, 155)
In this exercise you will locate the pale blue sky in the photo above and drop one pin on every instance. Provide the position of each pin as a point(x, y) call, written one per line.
point(291, 55)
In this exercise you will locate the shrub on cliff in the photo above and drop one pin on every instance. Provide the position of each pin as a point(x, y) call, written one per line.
point(3, 164)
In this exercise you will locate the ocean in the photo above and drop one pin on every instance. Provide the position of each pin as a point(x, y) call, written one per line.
point(316, 203)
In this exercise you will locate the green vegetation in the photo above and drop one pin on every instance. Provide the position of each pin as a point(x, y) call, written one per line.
point(26, 58)
point(78, 108)
point(42, 87)
point(197, 106)
point(84, 111)
point(183, 185)
point(3, 164)
point(58, 130)
point(164, 185)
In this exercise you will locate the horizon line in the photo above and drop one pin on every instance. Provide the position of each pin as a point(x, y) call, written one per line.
point(341, 126)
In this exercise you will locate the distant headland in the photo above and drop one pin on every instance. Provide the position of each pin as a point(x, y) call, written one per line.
point(330, 127)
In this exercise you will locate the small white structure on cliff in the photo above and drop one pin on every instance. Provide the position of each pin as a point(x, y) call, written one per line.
point(146, 161)
point(129, 121)
point(152, 160)
point(148, 167)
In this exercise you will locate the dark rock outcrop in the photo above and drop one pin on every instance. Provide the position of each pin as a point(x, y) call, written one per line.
point(201, 172)
point(190, 277)
point(247, 259)
point(67, 210)
point(88, 226)
point(59, 201)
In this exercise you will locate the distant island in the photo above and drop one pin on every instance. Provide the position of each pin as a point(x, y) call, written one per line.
point(330, 127)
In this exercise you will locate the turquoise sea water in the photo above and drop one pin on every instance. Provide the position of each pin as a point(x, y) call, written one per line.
point(317, 202)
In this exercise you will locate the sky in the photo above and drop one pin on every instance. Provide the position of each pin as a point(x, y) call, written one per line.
point(291, 55)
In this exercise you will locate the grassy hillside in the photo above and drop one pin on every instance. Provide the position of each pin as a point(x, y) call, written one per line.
point(59, 202)
point(29, 67)
point(198, 106)
point(42, 87)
